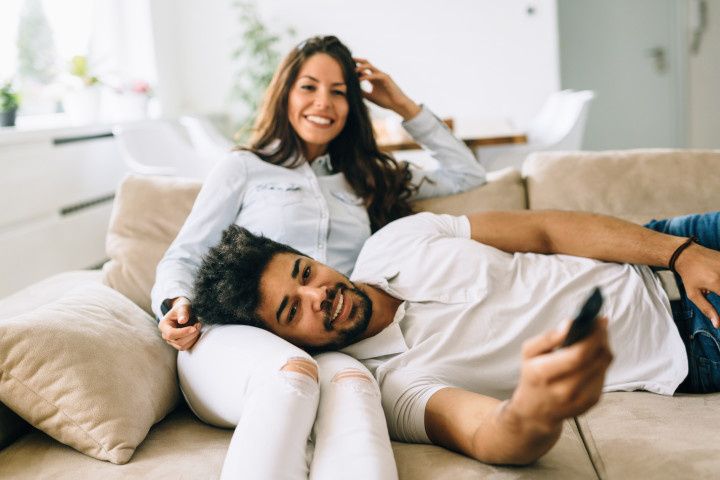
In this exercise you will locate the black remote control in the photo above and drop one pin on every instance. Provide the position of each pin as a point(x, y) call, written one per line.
point(584, 323)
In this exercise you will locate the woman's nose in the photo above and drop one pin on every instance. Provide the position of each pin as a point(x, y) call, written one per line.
point(315, 295)
point(322, 99)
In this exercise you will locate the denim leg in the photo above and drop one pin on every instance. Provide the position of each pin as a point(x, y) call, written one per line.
point(701, 338)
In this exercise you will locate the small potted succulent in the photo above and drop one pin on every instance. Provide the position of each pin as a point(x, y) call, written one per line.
point(81, 101)
point(9, 103)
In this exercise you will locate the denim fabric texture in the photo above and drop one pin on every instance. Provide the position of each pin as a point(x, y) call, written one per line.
point(701, 338)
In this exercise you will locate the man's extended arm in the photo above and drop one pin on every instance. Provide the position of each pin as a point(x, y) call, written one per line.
point(554, 385)
point(603, 238)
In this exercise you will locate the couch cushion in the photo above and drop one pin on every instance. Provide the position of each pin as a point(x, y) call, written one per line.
point(504, 190)
point(88, 368)
point(183, 447)
point(637, 185)
point(147, 216)
point(12, 426)
point(643, 435)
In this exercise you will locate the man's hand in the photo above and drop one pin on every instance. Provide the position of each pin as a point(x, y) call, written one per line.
point(556, 384)
point(172, 325)
point(385, 92)
point(699, 268)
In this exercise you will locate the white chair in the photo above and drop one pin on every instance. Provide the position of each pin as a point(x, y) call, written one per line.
point(559, 125)
point(156, 148)
point(205, 138)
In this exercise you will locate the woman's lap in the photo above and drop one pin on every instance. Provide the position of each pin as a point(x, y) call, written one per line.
point(230, 362)
point(226, 364)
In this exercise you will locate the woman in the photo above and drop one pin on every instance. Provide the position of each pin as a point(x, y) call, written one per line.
point(314, 178)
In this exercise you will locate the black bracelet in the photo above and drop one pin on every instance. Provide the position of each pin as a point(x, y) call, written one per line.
point(678, 251)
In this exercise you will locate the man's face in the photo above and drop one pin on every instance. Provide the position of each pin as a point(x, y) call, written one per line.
point(311, 305)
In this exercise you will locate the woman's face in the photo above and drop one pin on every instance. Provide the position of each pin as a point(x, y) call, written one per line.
point(317, 103)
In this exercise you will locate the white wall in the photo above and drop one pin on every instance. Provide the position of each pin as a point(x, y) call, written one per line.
point(470, 59)
point(704, 116)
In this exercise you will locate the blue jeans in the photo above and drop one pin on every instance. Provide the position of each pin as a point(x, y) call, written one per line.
point(701, 338)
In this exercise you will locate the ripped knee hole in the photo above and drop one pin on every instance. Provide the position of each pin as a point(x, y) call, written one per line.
point(350, 374)
point(303, 366)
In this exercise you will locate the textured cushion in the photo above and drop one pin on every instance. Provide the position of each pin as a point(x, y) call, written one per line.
point(146, 218)
point(12, 426)
point(636, 185)
point(643, 435)
point(504, 190)
point(88, 368)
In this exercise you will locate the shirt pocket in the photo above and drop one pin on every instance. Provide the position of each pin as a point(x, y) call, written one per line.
point(279, 193)
point(351, 204)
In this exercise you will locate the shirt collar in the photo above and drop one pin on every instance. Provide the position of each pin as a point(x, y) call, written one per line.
point(322, 165)
point(389, 341)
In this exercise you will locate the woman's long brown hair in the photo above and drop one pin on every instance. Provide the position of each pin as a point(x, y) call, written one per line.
point(379, 179)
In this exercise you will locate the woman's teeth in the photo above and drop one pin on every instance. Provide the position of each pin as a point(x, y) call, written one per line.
point(319, 120)
point(338, 309)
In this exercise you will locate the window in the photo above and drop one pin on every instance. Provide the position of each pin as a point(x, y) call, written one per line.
point(53, 51)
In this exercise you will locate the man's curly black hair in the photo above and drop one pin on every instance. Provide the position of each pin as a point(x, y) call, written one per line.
point(227, 285)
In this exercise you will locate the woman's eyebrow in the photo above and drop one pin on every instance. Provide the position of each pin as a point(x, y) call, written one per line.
point(336, 84)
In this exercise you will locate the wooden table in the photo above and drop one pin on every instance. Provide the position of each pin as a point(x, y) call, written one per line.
point(475, 135)
point(518, 139)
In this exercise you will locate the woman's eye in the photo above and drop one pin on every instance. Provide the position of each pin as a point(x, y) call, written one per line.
point(306, 273)
point(308, 87)
point(339, 92)
point(293, 311)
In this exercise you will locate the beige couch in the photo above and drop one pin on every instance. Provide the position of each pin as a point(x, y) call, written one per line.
point(628, 435)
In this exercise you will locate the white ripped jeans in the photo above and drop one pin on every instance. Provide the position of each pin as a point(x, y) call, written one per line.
point(288, 425)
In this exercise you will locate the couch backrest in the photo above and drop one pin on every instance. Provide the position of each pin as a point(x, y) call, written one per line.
point(637, 185)
point(147, 216)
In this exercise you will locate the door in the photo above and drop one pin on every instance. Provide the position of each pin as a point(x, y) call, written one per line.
point(632, 54)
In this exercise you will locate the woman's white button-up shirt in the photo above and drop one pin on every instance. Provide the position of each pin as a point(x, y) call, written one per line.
point(309, 208)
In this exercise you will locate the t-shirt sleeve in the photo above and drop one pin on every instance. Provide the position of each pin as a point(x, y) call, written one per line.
point(403, 235)
point(404, 399)
point(427, 224)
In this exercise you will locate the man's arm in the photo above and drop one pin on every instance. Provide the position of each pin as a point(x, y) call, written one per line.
point(554, 385)
point(603, 238)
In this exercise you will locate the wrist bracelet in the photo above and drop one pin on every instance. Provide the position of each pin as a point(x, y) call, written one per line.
point(678, 251)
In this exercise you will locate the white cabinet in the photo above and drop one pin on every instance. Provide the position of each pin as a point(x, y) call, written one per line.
point(56, 193)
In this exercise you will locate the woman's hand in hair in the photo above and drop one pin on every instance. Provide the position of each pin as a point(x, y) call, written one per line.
point(385, 92)
point(176, 326)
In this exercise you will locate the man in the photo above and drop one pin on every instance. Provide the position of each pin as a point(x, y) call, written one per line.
point(459, 318)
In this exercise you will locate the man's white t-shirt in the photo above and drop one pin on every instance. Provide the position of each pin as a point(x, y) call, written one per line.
point(468, 308)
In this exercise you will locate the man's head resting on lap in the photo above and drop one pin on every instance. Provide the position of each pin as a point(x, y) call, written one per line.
point(252, 280)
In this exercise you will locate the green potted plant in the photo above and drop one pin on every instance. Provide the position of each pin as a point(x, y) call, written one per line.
point(9, 103)
point(255, 58)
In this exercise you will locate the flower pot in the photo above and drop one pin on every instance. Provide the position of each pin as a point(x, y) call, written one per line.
point(7, 118)
point(82, 106)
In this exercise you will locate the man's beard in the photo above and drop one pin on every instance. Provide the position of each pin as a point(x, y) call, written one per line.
point(361, 313)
